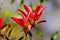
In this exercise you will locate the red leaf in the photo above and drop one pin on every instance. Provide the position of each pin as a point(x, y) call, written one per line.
point(37, 9)
point(18, 21)
point(38, 12)
point(41, 21)
point(30, 15)
point(22, 12)
point(0, 22)
point(27, 8)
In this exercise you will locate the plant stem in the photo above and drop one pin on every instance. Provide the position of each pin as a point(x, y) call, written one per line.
point(30, 38)
point(25, 34)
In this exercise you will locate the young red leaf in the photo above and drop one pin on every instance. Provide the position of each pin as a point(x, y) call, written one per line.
point(22, 12)
point(0, 22)
point(37, 9)
point(38, 12)
point(27, 8)
point(19, 21)
point(30, 15)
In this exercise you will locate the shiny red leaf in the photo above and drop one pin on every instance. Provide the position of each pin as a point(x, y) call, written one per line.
point(18, 21)
point(37, 9)
point(30, 15)
point(27, 8)
point(38, 12)
point(0, 22)
point(22, 12)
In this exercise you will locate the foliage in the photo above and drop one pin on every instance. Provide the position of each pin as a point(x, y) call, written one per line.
point(54, 36)
point(26, 23)
point(41, 1)
point(21, 4)
point(12, 1)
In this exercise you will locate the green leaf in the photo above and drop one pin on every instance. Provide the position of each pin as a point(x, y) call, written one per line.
point(54, 36)
point(7, 13)
point(12, 1)
point(14, 25)
point(38, 32)
point(21, 4)
point(31, 6)
point(41, 1)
